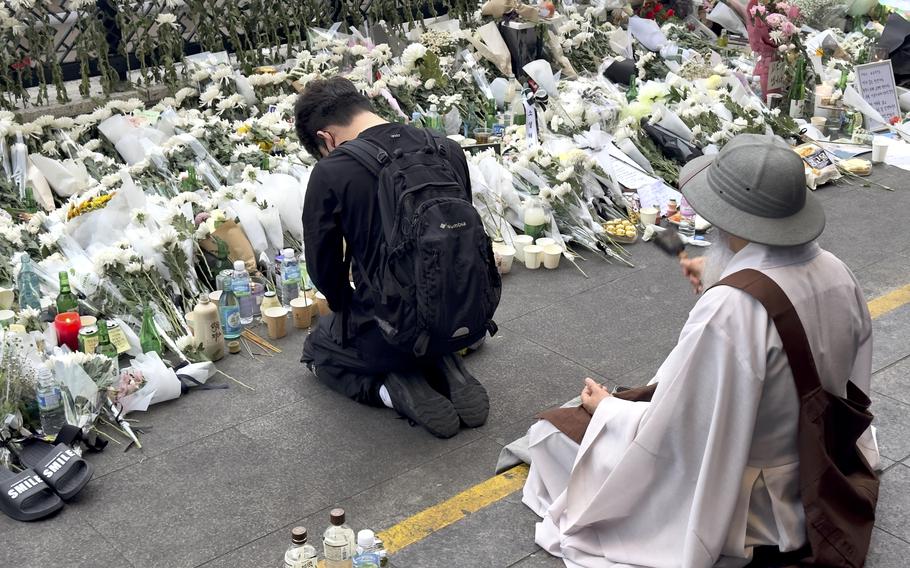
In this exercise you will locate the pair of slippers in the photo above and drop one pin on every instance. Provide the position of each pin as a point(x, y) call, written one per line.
point(53, 473)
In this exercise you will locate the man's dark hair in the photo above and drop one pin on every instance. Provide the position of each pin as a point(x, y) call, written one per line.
point(324, 103)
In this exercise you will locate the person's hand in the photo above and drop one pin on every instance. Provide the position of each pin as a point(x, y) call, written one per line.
point(693, 268)
point(592, 394)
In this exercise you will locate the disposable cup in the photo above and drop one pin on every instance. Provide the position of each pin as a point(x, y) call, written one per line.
point(276, 319)
point(86, 321)
point(879, 148)
point(7, 296)
point(215, 296)
point(819, 122)
point(551, 256)
point(482, 135)
point(533, 257)
point(648, 215)
point(544, 242)
point(520, 242)
point(7, 317)
point(506, 256)
point(322, 305)
point(302, 309)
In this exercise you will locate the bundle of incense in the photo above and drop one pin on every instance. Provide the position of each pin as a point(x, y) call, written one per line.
point(249, 335)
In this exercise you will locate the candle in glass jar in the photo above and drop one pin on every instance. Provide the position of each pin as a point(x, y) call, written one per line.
point(67, 326)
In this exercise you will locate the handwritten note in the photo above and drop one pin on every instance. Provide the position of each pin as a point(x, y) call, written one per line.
point(876, 85)
point(777, 76)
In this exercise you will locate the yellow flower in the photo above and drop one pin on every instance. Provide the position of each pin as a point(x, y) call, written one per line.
point(265, 146)
point(243, 129)
point(713, 82)
point(820, 52)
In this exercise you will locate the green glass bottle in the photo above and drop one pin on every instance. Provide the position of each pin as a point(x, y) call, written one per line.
point(797, 94)
point(842, 83)
point(66, 300)
point(148, 336)
point(632, 93)
point(224, 263)
point(105, 347)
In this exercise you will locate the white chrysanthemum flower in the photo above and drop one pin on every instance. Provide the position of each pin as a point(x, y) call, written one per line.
point(209, 96)
point(187, 342)
point(105, 259)
point(412, 54)
point(183, 93)
point(167, 236)
point(430, 84)
point(200, 75)
point(133, 267)
point(165, 19)
point(565, 174)
point(110, 180)
point(49, 147)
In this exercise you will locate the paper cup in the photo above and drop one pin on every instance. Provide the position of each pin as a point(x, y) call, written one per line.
point(544, 242)
point(86, 321)
point(322, 305)
point(506, 255)
point(6, 317)
point(215, 296)
point(879, 148)
point(551, 256)
point(533, 257)
point(7, 295)
point(520, 242)
point(277, 321)
point(819, 122)
point(302, 309)
point(648, 215)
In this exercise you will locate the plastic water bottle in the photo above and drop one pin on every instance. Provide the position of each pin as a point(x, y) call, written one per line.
point(686, 219)
point(29, 285)
point(290, 277)
point(243, 291)
point(50, 403)
point(301, 554)
point(305, 281)
point(229, 310)
point(367, 552)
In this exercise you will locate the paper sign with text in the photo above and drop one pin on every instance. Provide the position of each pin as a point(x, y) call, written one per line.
point(876, 85)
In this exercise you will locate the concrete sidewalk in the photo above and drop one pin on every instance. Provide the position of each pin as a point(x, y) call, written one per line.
point(225, 474)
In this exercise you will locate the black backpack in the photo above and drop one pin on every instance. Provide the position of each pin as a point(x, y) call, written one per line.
point(437, 286)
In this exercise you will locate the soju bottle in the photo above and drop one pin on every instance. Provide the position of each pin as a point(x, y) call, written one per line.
point(632, 93)
point(229, 310)
point(66, 300)
point(148, 336)
point(29, 285)
point(105, 347)
point(798, 90)
point(224, 262)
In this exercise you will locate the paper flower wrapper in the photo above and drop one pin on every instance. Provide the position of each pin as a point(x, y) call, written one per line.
point(66, 177)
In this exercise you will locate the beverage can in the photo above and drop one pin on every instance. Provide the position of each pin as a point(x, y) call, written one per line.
point(88, 339)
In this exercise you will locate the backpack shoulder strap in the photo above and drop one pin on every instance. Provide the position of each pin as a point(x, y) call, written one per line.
point(369, 155)
point(789, 326)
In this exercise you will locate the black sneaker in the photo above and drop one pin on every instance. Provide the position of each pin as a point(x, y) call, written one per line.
point(468, 396)
point(413, 398)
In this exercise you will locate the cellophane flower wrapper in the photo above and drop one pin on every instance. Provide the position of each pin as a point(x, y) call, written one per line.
point(159, 379)
point(285, 193)
point(66, 177)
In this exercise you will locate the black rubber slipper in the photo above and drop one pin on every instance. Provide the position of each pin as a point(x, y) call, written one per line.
point(26, 497)
point(58, 465)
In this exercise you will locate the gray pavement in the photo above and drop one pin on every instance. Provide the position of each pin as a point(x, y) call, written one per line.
point(225, 474)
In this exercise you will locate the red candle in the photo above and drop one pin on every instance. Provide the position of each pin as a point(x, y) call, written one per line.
point(67, 325)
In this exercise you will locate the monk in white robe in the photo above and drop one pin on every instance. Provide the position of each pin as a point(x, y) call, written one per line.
point(709, 468)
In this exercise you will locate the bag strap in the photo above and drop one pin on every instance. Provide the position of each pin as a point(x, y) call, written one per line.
point(789, 326)
point(369, 155)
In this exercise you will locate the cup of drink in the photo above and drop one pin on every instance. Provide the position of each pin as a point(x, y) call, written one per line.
point(277, 321)
point(520, 242)
point(506, 255)
point(302, 310)
point(482, 135)
point(648, 215)
point(551, 255)
point(544, 242)
point(533, 257)
point(879, 148)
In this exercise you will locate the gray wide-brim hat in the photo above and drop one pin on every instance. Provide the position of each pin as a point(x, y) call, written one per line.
point(755, 189)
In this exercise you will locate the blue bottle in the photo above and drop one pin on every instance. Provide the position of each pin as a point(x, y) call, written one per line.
point(229, 310)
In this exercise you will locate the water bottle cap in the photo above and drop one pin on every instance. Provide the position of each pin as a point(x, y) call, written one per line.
point(239, 265)
point(287, 253)
point(366, 538)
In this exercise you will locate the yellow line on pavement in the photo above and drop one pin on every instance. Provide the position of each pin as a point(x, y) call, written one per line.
point(484, 494)
point(437, 517)
point(889, 302)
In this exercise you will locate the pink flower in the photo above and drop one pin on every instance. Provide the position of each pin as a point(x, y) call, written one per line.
point(757, 9)
point(775, 20)
point(788, 28)
point(793, 13)
point(782, 7)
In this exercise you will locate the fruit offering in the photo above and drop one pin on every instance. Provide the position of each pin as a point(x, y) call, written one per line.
point(620, 228)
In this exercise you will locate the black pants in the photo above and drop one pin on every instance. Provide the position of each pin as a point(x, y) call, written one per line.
point(358, 369)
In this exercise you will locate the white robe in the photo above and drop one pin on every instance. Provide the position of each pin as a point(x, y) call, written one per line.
point(709, 468)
